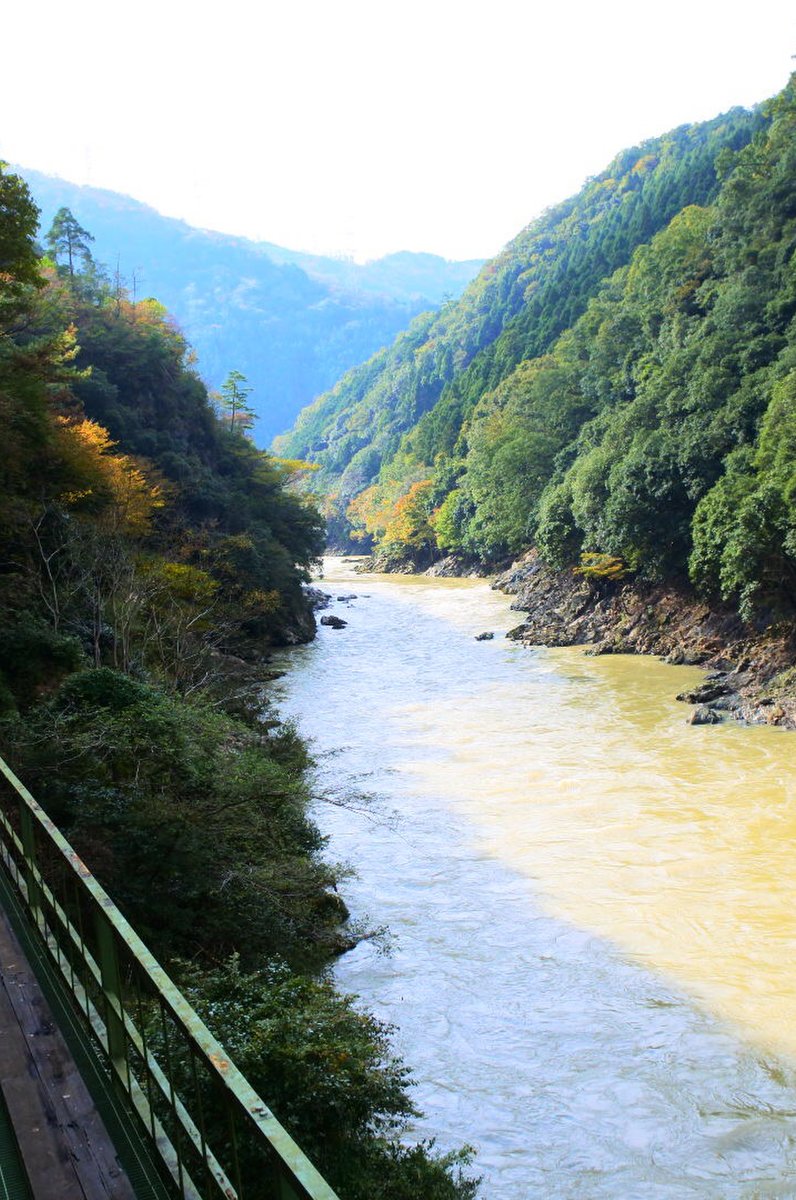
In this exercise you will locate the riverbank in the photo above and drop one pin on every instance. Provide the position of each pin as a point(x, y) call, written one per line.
point(752, 672)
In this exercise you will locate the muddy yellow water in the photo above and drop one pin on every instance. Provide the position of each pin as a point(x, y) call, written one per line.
point(592, 905)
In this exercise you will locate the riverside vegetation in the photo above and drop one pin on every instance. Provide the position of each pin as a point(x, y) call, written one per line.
point(150, 557)
point(616, 390)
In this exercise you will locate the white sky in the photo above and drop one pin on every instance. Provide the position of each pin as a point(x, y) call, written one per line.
point(352, 127)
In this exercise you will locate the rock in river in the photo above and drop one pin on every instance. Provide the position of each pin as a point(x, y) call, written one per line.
point(317, 598)
point(702, 715)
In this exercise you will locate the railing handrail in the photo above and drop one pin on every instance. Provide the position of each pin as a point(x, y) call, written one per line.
point(231, 1079)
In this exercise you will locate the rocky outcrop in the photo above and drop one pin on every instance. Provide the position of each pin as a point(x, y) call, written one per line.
point(317, 599)
point(450, 567)
point(455, 566)
point(753, 670)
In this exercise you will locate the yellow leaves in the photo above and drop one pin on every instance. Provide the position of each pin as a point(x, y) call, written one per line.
point(601, 566)
point(112, 485)
point(410, 523)
point(66, 349)
point(423, 352)
point(291, 468)
point(180, 581)
point(372, 510)
point(393, 514)
point(70, 499)
point(645, 164)
point(261, 603)
point(239, 542)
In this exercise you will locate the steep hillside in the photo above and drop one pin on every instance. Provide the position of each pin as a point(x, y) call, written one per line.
point(655, 439)
point(292, 323)
point(402, 412)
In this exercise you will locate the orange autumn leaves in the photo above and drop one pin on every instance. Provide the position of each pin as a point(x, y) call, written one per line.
point(396, 518)
point(105, 484)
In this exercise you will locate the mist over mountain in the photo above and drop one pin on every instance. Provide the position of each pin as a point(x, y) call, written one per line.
point(291, 322)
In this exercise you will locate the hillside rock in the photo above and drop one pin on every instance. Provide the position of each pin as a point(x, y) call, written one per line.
point(753, 669)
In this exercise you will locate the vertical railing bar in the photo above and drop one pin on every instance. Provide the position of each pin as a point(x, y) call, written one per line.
point(83, 972)
point(202, 1132)
point(81, 936)
point(72, 948)
point(145, 1047)
point(234, 1145)
point(111, 986)
point(59, 902)
point(29, 860)
point(123, 1011)
point(172, 1099)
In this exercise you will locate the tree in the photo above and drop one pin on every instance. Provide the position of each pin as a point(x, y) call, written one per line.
point(68, 238)
point(18, 263)
point(234, 407)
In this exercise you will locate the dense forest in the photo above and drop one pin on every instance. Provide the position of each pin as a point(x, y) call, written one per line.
point(601, 387)
point(149, 556)
point(292, 323)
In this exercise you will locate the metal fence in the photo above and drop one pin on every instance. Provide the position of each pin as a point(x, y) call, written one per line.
point(213, 1134)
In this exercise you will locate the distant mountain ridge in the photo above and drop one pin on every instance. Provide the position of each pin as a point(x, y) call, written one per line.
point(292, 322)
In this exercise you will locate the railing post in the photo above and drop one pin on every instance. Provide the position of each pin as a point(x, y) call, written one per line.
point(111, 978)
point(28, 838)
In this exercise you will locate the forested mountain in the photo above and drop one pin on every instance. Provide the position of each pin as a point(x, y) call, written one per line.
point(399, 417)
point(292, 323)
point(656, 435)
point(149, 555)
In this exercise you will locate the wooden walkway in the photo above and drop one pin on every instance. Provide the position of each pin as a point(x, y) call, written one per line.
point(64, 1146)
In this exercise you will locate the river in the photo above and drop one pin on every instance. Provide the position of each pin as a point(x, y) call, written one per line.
point(591, 904)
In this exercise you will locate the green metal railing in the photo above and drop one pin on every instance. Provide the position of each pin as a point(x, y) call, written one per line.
point(213, 1134)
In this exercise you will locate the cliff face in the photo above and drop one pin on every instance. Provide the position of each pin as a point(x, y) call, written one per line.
point(752, 671)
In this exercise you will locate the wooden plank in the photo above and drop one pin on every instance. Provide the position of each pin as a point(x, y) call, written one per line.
point(63, 1142)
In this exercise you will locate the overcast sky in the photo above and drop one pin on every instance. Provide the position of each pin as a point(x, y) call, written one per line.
point(352, 127)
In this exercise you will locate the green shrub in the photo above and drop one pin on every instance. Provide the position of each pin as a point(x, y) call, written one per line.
point(34, 659)
point(101, 688)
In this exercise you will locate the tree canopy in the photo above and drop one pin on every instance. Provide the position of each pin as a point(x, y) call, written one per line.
point(67, 239)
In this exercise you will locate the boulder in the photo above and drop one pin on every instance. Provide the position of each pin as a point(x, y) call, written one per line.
point(484, 637)
point(334, 622)
point(702, 715)
point(712, 689)
point(517, 634)
point(317, 598)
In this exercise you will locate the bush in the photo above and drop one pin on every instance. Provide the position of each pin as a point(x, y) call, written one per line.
point(101, 688)
point(295, 1039)
point(34, 659)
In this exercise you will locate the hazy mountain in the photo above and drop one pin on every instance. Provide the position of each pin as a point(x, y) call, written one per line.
point(293, 323)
